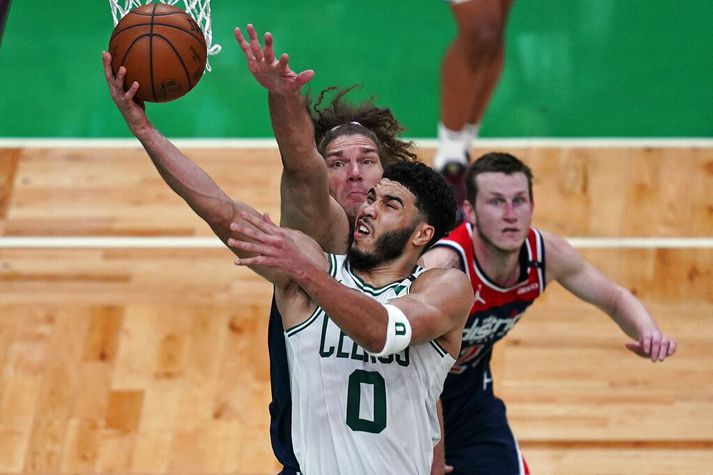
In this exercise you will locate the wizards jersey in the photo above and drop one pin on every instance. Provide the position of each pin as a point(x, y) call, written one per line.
point(467, 392)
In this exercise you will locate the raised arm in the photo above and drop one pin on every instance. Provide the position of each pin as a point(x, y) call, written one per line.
point(184, 177)
point(581, 278)
point(306, 204)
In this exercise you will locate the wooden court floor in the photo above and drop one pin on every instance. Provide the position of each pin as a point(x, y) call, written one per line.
point(149, 357)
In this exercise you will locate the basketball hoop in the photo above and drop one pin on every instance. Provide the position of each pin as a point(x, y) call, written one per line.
point(199, 10)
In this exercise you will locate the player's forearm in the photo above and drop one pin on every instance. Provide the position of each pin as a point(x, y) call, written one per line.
point(187, 179)
point(293, 130)
point(359, 316)
point(631, 315)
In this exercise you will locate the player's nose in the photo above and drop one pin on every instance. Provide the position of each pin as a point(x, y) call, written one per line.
point(510, 212)
point(354, 171)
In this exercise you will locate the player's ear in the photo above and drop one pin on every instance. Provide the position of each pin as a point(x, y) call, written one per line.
point(423, 234)
point(468, 212)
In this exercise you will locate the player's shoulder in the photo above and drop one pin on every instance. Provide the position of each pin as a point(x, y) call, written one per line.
point(562, 257)
point(554, 243)
point(451, 279)
point(442, 257)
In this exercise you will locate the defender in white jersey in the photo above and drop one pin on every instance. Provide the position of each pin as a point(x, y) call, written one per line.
point(370, 336)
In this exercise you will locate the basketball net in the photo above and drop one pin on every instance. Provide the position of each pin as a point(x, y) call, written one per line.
point(199, 10)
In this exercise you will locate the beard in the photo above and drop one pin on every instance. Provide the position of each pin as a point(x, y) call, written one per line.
point(388, 247)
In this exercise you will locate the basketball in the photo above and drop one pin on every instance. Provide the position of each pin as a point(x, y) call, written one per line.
point(162, 48)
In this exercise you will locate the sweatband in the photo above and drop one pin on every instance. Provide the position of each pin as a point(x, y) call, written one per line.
point(398, 332)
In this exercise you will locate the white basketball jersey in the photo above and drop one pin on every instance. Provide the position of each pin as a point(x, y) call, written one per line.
point(353, 413)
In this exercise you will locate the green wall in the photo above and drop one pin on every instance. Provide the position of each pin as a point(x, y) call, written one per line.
point(574, 68)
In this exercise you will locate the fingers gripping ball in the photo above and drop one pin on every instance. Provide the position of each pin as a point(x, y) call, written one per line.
point(162, 48)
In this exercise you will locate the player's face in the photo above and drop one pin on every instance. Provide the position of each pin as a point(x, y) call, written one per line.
point(385, 223)
point(353, 168)
point(503, 210)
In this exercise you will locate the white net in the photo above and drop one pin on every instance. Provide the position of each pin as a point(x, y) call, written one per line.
point(198, 9)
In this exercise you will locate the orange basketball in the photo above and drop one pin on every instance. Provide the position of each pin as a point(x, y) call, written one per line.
point(162, 48)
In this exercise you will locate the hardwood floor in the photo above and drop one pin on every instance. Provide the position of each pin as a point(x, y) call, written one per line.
point(149, 360)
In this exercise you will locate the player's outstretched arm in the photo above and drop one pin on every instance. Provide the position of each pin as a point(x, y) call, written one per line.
point(184, 177)
point(581, 278)
point(274, 74)
point(131, 109)
point(306, 204)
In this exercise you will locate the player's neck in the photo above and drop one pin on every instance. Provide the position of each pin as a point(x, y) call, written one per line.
point(386, 273)
point(502, 267)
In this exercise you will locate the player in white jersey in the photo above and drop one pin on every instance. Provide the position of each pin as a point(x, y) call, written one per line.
point(370, 336)
point(364, 413)
point(404, 213)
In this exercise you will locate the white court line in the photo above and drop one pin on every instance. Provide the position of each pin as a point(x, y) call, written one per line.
point(109, 242)
point(269, 143)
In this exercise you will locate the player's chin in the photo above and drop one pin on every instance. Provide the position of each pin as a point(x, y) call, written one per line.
point(513, 236)
point(510, 245)
point(363, 243)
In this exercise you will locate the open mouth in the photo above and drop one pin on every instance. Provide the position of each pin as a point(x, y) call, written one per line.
point(361, 229)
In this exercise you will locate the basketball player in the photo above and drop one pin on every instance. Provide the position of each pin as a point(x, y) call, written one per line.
point(470, 71)
point(355, 142)
point(392, 339)
point(271, 72)
point(361, 405)
point(509, 264)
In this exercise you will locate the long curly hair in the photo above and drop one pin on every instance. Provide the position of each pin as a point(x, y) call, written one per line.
point(337, 117)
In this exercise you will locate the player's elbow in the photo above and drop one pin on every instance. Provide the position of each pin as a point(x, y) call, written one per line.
point(375, 343)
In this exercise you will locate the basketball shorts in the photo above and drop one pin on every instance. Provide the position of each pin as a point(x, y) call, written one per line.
point(491, 449)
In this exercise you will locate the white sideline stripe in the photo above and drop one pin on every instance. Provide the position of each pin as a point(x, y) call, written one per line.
point(269, 143)
point(641, 243)
point(108, 242)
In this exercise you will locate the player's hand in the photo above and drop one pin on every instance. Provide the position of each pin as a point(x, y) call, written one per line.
point(273, 74)
point(654, 345)
point(132, 109)
point(267, 244)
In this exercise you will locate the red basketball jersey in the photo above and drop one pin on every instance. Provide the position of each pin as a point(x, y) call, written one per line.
point(495, 309)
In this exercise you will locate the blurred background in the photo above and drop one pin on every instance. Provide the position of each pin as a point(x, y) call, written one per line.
point(573, 68)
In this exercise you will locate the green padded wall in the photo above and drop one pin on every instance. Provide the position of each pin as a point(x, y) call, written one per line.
point(574, 68)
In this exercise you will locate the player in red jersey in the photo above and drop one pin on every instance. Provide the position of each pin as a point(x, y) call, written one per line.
point(509, 263)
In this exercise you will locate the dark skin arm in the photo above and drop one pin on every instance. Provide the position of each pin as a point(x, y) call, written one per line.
point(436, 307)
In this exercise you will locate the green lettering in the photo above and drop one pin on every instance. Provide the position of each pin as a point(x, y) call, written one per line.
point(324, 353)
point(340, 346)
point(354, 421)
point(403, 358)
